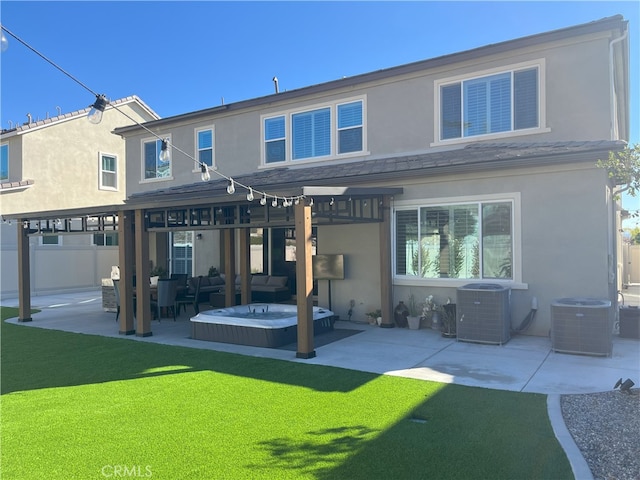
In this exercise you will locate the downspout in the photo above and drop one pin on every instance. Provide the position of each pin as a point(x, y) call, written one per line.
point(612, 96)
point(614, 133)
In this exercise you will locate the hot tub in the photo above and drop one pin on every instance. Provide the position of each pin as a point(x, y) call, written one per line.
point(269, 325)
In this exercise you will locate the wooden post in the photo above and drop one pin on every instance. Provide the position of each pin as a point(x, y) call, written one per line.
point(230, 267)
point(24, 274)
point(245, 265)
point(386, 293)
point(126, 261)
point(143, 293)
point(304, 281)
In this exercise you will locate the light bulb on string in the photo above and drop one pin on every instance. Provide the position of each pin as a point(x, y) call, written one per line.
point(250, 195)
point(297, 201)
point(231, 188)
point(205, 175)
point(274, 202)
point(263, 200)
point(4, 43)
point(164, 151)
point(95, 114)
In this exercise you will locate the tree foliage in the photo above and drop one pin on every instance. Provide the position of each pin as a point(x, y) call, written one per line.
point(623, 168)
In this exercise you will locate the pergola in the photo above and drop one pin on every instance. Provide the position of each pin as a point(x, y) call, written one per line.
point(209, 207)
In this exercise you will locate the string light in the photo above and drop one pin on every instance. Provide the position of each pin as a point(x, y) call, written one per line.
point(205, 175)
point(100, 104)
point(97, 109)
point(274, 202)
point(164, 156)
point(4, 43)
point(250, 195)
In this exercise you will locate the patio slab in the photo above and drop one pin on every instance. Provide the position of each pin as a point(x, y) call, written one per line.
point(524, 363)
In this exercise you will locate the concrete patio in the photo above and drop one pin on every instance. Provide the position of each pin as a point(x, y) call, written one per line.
point(523, 364)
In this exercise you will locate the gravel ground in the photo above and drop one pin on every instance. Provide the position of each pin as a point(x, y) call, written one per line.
point(606, 429)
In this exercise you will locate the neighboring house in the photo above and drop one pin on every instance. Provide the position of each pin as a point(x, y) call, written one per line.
point(60, 163)
point(478, 166)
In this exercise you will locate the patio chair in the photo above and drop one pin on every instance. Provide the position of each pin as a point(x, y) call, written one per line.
point(167, 290)
point(190, 298)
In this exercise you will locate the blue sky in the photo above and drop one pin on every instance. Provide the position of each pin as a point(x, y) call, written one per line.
point(184, 56)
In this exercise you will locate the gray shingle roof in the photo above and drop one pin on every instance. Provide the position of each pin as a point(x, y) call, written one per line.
point(473, 157)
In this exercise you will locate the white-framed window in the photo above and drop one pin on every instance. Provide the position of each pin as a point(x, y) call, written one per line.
point(322, 131)
point(4, 162)
point(108, 171)
point(105, 239)
point(493, 103)
point(50, 240)
point(275, 144)
point(205, 146)
point(152, 167)
point(471, 238)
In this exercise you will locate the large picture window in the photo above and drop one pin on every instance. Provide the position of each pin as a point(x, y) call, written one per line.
point(473, 240)
point(490, 104)
point(153, 167)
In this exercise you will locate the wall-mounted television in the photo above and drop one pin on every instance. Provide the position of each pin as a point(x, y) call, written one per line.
point(328, 267)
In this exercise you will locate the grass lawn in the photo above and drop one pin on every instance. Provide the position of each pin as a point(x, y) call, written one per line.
point(81, 407)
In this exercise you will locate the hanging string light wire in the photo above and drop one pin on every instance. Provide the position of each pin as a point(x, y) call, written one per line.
point(203, 167)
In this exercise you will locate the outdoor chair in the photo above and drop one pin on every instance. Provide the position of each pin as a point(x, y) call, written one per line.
point(167, 290)
point(190, 298)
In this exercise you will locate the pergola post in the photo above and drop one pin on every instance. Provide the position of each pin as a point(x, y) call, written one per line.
point(24, 274)
point(143, 292)
point(245, 264)
point(386, 293)
point(229, 267)
point(126, 261)
point(304, 281)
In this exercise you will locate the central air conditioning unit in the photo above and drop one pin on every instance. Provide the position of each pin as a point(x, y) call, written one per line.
point(484, 313)
point(581, 325)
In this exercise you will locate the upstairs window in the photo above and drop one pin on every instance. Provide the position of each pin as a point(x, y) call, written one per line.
point(350, 127)
point(204, 139)
point(275, 140)
point(325, 131)
point(108, 172)
point(152, 166)
point(4, 162)
point(501, 102)
point(311, 133)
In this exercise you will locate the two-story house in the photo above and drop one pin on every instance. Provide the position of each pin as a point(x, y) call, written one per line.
point(478, 166)
point(60, 163)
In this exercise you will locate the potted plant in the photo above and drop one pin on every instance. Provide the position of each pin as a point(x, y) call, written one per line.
point(430, 312)
point(375, 317)
point(448, 312)
point(414, 313)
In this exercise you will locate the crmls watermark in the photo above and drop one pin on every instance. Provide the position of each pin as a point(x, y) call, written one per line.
point(126, 471)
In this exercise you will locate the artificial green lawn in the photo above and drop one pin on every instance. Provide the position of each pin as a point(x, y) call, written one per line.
point(81, 407)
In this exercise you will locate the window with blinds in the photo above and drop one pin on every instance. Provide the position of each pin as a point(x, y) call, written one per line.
point(204, 139)
point(325, 131)
point(496, 103)
point(465, 241)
